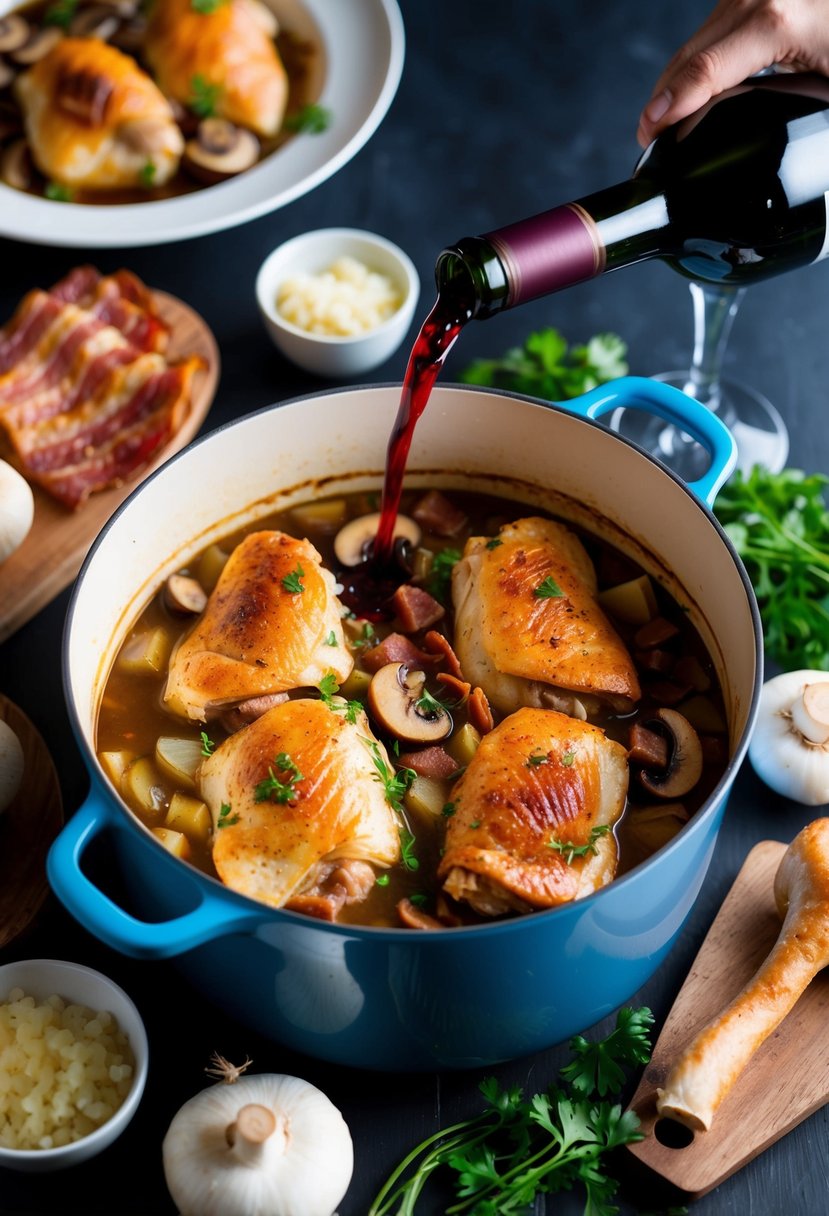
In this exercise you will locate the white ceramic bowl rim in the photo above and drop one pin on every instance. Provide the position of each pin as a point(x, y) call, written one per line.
point(697, 822)
point(138, 1042)
point(371, 240)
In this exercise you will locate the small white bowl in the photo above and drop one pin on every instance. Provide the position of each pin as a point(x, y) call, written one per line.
point(42, 978)
point(314, 252)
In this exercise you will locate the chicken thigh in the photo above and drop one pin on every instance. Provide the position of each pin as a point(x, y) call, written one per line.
point(271, 624)
point(533, 815)
point(94, 119)
point(229, 48)
point(528, 629)
point(300, 816)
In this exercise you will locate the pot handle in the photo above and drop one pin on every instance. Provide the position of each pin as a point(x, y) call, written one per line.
point(213, 915)
point(676, 407)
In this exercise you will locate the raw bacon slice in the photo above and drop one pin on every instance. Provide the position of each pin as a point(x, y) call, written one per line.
point(87, 397)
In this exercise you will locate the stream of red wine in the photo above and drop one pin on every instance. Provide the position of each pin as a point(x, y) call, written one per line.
point(368, 588)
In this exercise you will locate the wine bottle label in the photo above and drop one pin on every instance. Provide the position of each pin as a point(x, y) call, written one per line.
point(548, 252)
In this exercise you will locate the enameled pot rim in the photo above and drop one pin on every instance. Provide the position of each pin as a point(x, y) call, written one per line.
point(695, 824)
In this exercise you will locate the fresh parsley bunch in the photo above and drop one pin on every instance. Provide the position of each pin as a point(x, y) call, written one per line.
point(779, 525)
point(547, 367)
point(517, 1149)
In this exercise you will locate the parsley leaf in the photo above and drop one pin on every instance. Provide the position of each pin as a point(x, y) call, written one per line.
point(147, 174)
point(515, 1150)
point(597, 1067)
point(226, 819)
point(494, 543)
point(546, 367)
point(548, 589)
point(439, 578)
point(272, 788)
point(291, 582)
point(57, 192)
point(204, 96)
point(207, 744)
point(61, 13)
point(206, 6)
point(570, 850)
point(779, 525)
point(395, 786)
point(329, 688)
point(312, 120)
point(331, 640)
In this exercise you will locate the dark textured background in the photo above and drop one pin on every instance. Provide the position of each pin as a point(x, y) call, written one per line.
point(504, 110)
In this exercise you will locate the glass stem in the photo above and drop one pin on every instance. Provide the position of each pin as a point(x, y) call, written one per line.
point(715, 307)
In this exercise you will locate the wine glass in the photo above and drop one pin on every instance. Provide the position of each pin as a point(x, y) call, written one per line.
point(757, 427)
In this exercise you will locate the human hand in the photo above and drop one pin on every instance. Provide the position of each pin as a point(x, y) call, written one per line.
point(739, 38)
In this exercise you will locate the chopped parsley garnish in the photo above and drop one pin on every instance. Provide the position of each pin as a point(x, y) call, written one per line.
point(291, 582)
point(206, 6)
point(494, 543)
point(394, 784)
point(418, 899)
point(440, 576)
point(537, 758)
point(569, 850)
point(147, 174)
point(430, 706)
point(367, 638)
point(207, 744)
point(204, 96)
point(382, 880)
point(548, 590)
point(310, 120)
point(58, 193)
point(407, 853)
point(226, 819)
point(331, 640)
point(476, 823)
point(61, 13)
point(329, 688)
point(273, 788)
point(568, 759)
point(448, 809)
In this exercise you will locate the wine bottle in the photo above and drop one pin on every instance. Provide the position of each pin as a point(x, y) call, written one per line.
point(737, 192)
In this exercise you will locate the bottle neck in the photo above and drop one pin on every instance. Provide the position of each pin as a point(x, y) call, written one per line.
point(615, 227)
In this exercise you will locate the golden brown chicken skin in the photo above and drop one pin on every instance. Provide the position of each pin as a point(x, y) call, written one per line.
point(272, 624)
point(533, 815)
point(299, 816)
point(528, 627)
point(95, 120)
point(230, 50)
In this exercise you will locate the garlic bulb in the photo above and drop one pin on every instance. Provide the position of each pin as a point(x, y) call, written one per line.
point(266, 1145)
point(790, 745)
point(11, 765)
point(17, 509)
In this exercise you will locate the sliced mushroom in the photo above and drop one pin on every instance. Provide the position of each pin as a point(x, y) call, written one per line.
point(395, 698)
point(684, 766)
point(220, 150)
point(39, 44)
point(14, 32)
point(352, 544)
point(97, 21)
point(184, 594)
point(16, 168)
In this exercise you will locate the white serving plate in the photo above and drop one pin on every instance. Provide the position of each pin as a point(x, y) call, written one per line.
point(363, 43)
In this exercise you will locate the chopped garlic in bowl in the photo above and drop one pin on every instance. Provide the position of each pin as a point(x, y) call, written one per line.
point(337, 301)
point(348, 298)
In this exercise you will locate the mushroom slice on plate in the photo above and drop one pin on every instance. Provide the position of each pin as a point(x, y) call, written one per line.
point(16, 168)
point(14, 32)
point(220, 150)
point(352, 543)
point(37, 46)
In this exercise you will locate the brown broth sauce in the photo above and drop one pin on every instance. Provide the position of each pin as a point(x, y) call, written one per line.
point(303, 58)
point(132, 716)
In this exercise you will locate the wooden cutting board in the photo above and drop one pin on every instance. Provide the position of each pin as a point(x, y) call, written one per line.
point(53, 552)
point(27, 828)
point(785, 1081)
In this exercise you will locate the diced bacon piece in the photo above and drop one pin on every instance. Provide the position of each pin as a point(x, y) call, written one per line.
point(33, 316)
point(646, 747)
point(78, 285)
point(322, 907)
point(396, 648)
point(459, 688)
point(416, 608)
point(480, 714)
point(436, 644)
point(429, 762)
point(435, 513)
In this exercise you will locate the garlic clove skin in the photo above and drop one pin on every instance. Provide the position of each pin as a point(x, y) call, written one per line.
point(17, 509)
point(12, 764)
point(789, 748)
point(301, 1168)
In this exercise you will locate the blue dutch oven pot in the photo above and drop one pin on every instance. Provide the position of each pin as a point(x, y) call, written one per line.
point(397, 998)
